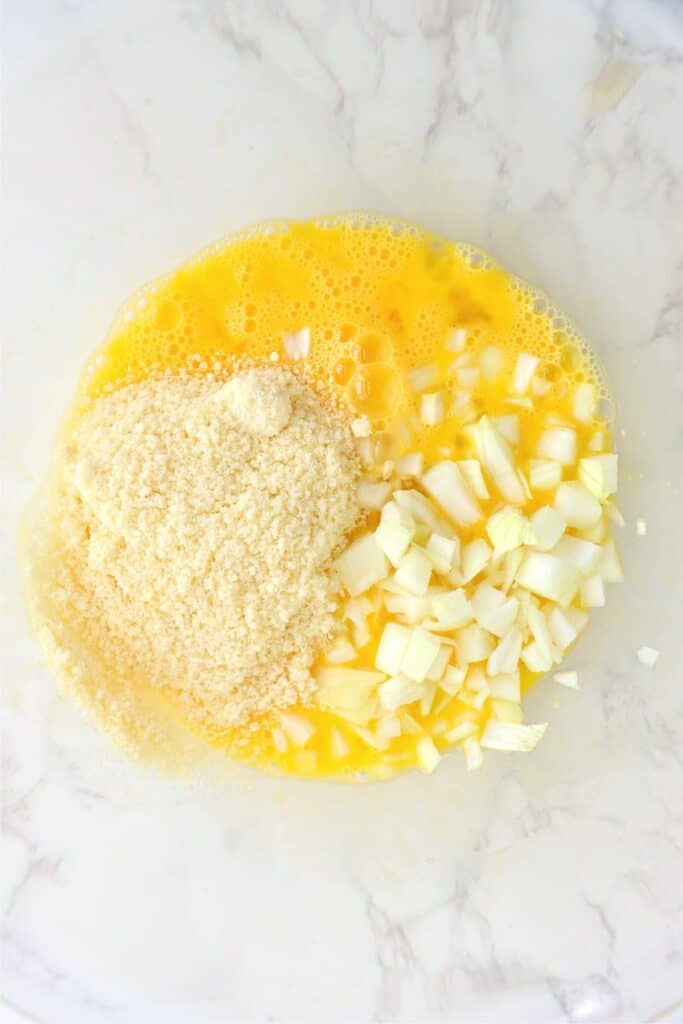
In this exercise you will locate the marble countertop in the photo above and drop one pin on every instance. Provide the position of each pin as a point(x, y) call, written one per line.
point(546, 889)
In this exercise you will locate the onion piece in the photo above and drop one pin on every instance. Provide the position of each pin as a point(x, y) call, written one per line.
point(438, 666)
point(509, 529)
point(582, 554)
point(461, 731)
point(413, 609)
point(297, 728)
point(493, 610)
point(457, 339)
point(446, 484)
point(394, 540)
point(544, 474)
point(509, 427)
point(505, 657)
point(423, 377)
point(453, 679)
point(548, 525)
point(394, 693)
point(583, 403)
point(525, 368)
point(422, 510)
point(443, 551)
point(506, 710)
point(509, 736)
point(473, 755)
point(506, 686)
point(475, 556)
point(420, 653)
point(471, 470)
point(496, 458)
point(609, 565)
point(592, 592)
point(373, 495)
point(535, 659)
point(392, 647)
point(564, 626)
point(432, 409)
point(340, 652)
point(491, 362)
point(648, 656)
point(362, 565)
point(598, 474)
point(549, 576)
point(569, 679)
point(428, 756)
point(576, 505)
point(539, 630)
point(467, 376)
point(558, 444)
point(298, 343)
point(414, 572)
point(473, 644)
point(451, 610)
point(410, 465)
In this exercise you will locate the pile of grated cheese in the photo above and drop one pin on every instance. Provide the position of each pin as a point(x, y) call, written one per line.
point(196, 524)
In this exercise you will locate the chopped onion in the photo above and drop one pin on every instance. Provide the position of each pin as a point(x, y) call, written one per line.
point(338, 744)
point(428, 755)
point(461, 732)
point(609, 565)
point(474, 700)
point(467, 376)
point(540, 387)
point(422, 510)
point(569, 679)
point(388, 728)
point(409, 726)
point(410, 465)
point(451, 610)
point(511, 736)
point(508, 427)
point(438, 666)
point(453, 679)
point(413, 609)
point(414, 572)
point(457, 340)
point(511, 564)
point(420, 654)
point(549, 576)
point(473, 755)
point(598, 474)
point(559, 444)
point(582, 554)
point(298, 343)
point(373, 495)
point(506, 710)
point(394, 540)
point(471, 470)
point(535, 659)
point(346, 688)
point(473, 644)
point(341, 651)
point(493, 610)
point(544, 474)
point(362, 565)
point(432, 409)
point(496, 457)
point(398, 691)
point(576, 505)
point(423, 377)
point(297, 728)
point(548, 525)
point(505, 657)
point(506, 686)
point(597, 441)
point(592, 592)
point(539, 630)
point(443, 551)
point(491, 362)
point(564, 626)
point(447, 485)
point(648, 656)
point(583, 403)
point(597, 533)
point(525, 368)
point(475, 556)
point(613, 512)
point(508, 529)
point(392, 647)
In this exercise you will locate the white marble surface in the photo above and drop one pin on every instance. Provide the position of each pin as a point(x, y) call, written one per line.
point(541, 890)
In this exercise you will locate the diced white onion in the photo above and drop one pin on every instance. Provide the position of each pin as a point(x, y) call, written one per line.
point(493, 610)
point(544, 474)
point(508, 529)
point(340, 652)
point(576, 505)
point(592, 592)
point(422, 510)
point(298, 343)
point(438, 666)
point(443, 551)
point(471, 470)
point(563, 627)
point(410, 465)
point(506, 710)
point(453, 679)
point(598, 474)
point(451, 610)
point(461, 731)
point(505, 657)
point(391, 648)
point(539, 630)
point(297, 728)
point(423, 377)
point(648, 656)
point(361, 427)
point(338, 744)
point(432, 409)
point(569, 679)
point(548, 525)
point(597, 441)
point(583, 403)
point(428, 755)
point(496, 458)
point(394, 540)
point(475, 556)
point(491, 362)
point(414, 572)
point(467, 376)
point(510, 736)
point(388, 728)
point(457, 339)
point(473, 755)
point(373, 495)
point(609, 565)
point(447, 485)
point(582, 554)
point(420, 654)
point(549, 576)
point(535, 659)
point(559, 444)
point(506, 685)
point(473, 644)
point(509, 427)
point(412, 609)
point(398, 691)
point(362, 565)
point(525, 368)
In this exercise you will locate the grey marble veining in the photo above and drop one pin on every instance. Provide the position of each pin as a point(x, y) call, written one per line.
point(546, 889)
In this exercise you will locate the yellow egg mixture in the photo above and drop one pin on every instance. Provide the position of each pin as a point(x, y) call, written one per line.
point(381, 300)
